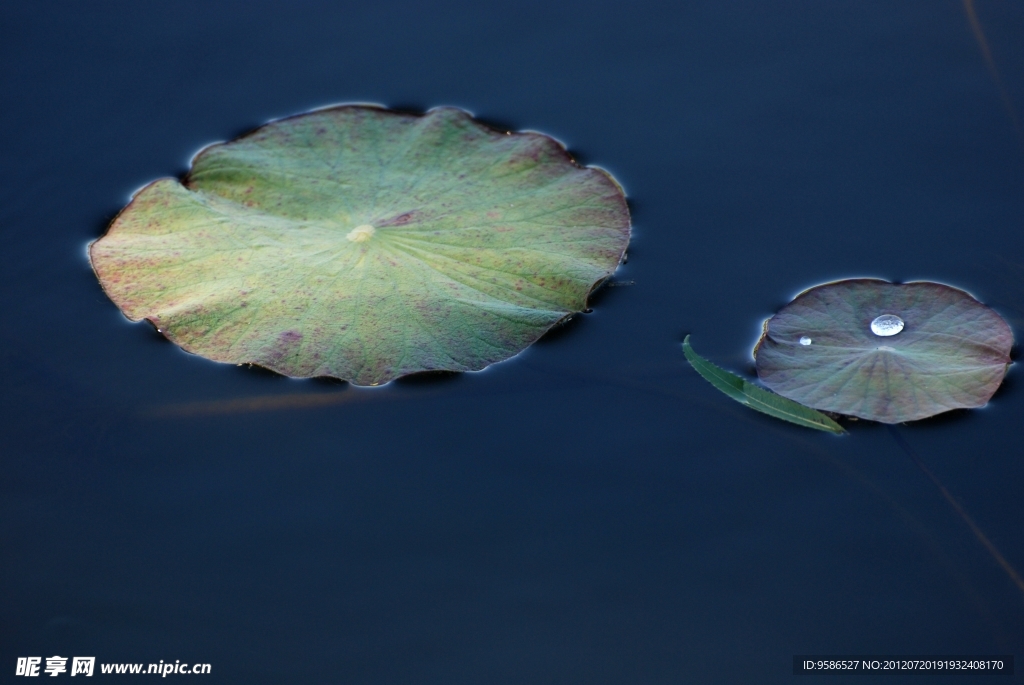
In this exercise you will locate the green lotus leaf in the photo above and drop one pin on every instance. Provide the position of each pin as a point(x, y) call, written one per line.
point(366, 244)
point(885, 352)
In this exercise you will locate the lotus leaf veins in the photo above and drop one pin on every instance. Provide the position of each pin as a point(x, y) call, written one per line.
point(883, 351)
point(366, 244)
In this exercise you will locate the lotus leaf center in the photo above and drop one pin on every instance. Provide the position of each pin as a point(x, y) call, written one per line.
point(360, 234)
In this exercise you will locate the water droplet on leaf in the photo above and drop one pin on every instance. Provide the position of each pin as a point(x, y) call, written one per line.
point(886, 325)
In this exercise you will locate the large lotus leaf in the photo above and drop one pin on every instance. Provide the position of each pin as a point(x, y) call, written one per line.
point(366, 244)
point(950, 352)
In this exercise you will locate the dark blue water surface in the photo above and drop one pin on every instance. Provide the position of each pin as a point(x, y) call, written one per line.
point(590, 511)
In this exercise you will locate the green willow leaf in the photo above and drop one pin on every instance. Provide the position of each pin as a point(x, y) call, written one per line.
point(757, 398)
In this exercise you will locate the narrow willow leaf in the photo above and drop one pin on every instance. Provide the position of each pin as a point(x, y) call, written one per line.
point(757, 398)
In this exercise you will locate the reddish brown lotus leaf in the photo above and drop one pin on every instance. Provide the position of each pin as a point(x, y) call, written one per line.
point(883, 351)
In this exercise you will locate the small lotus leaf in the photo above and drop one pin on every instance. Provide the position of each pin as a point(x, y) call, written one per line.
point(366, 244)
point(952, 351)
